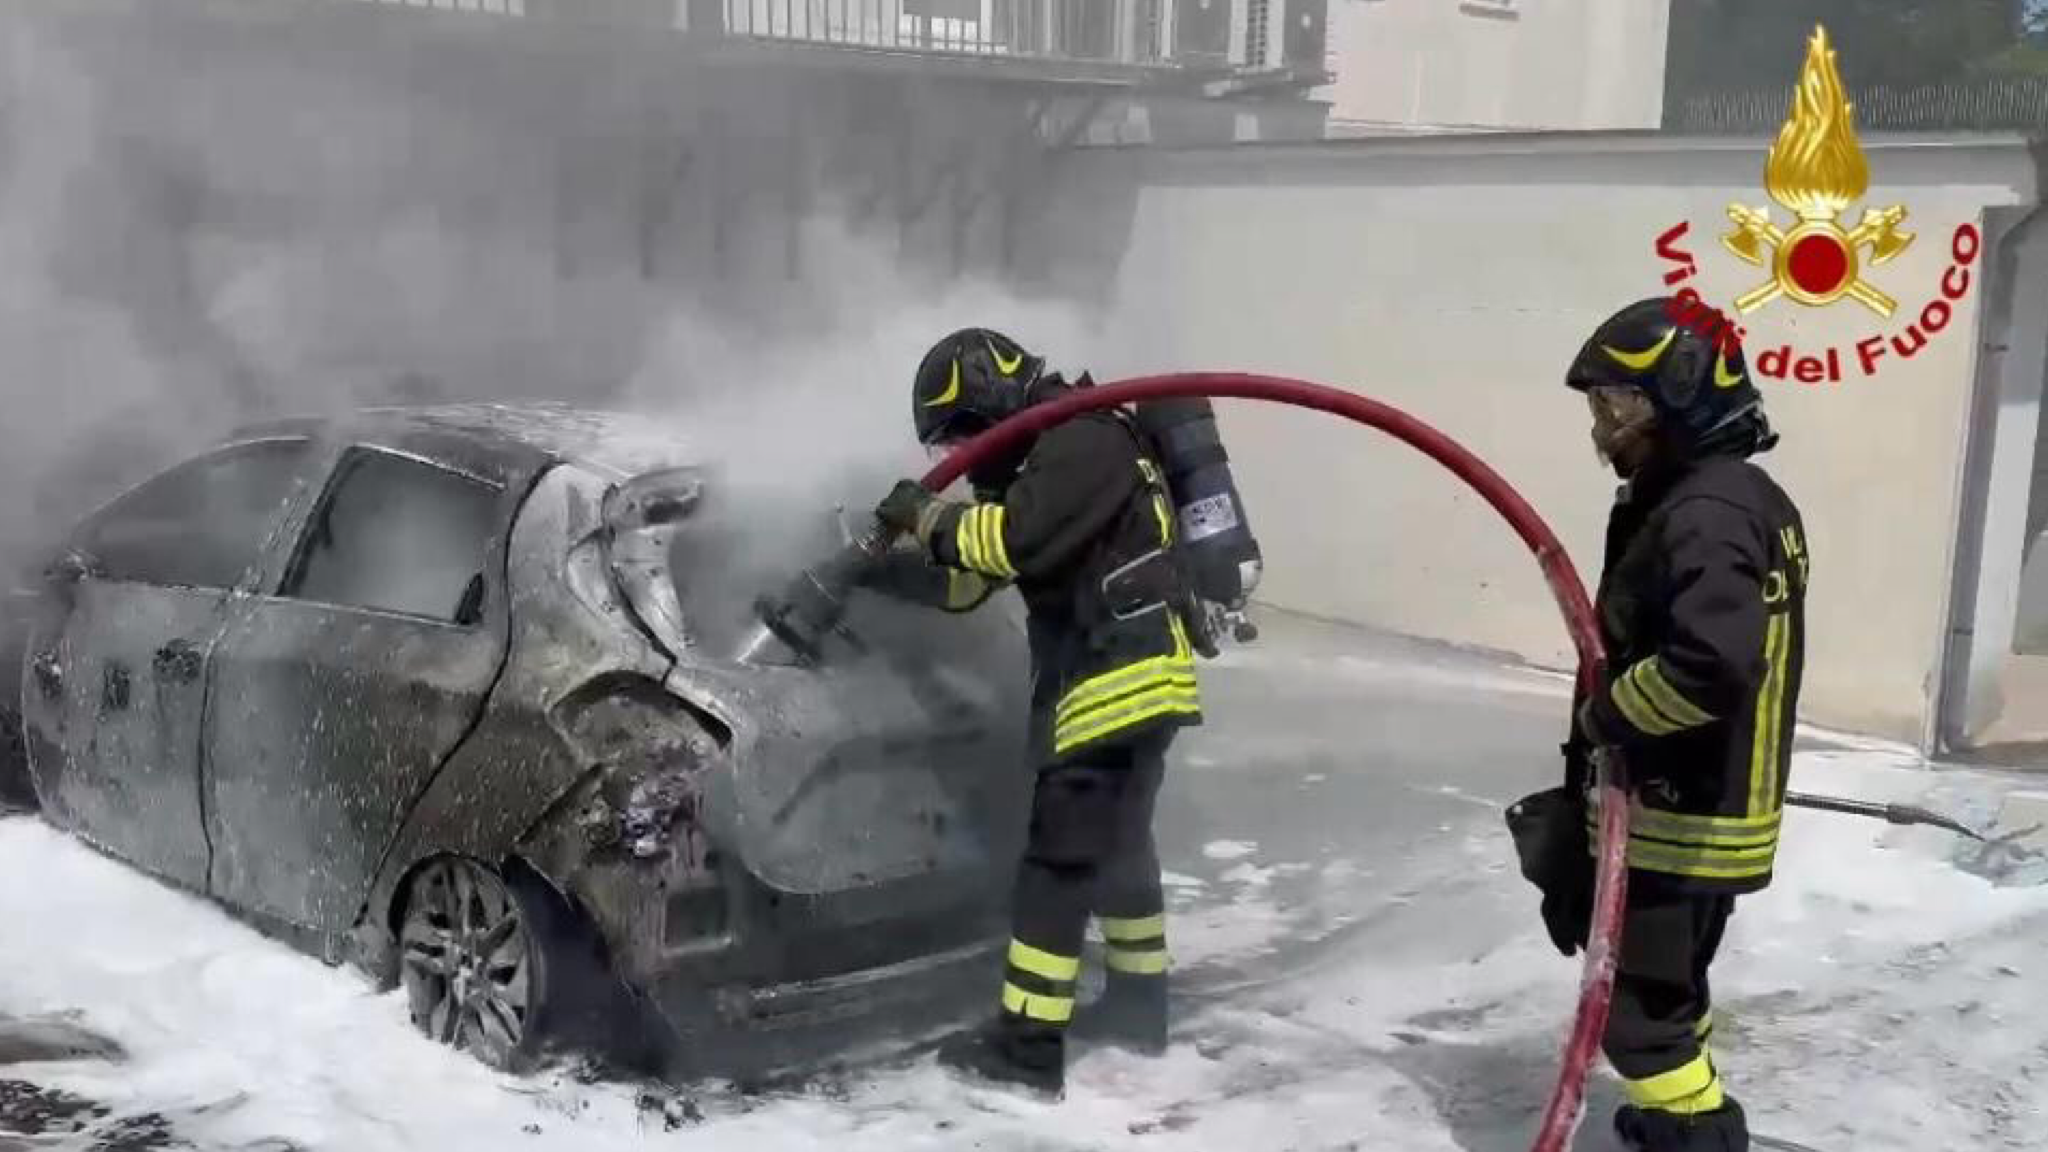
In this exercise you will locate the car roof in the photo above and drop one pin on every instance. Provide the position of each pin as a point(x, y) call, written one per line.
point(502, 437)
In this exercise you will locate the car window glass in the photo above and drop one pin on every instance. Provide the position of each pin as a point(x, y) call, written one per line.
point(398, 535)
point(202, 524)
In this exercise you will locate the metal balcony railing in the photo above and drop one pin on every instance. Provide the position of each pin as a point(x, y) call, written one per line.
point(1146, 35)
point(1100, 31)
point(1119, 32)
point(486, 7)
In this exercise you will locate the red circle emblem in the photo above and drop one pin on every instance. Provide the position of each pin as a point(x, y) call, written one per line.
point(1819, 265)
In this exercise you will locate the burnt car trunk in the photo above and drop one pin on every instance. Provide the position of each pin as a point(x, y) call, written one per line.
point(867, 813)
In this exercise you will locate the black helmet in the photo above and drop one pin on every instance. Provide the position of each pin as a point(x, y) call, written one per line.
point(1690, 367)
point(970, 381)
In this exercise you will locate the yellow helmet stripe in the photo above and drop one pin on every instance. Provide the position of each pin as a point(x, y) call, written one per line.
point(952, 391)
point(1724, 378)
point(1644, 359)
point(1006, 367)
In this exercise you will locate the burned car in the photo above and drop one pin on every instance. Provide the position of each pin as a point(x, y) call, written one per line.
point(454, 693)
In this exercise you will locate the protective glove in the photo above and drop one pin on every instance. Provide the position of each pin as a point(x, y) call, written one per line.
point(1568, 915)
point(1549, 831)
point(910, 507)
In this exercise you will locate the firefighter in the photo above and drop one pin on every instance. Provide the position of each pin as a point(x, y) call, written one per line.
point(1701, 611)
point(1078, 519)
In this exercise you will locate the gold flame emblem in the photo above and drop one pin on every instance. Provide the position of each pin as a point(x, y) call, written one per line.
point(1816, 169)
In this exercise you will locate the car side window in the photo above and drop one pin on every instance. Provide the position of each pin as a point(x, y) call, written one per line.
point(396, 534)
point(203, 524)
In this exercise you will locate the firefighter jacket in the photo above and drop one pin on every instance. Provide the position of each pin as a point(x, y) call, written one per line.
point(1702, 612)
point(1085, 533)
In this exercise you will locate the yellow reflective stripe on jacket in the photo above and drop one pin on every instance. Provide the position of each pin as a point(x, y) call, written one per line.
point(1700, 861)
point(1647, 700)
point(1165, 701)
point(1176, 667)
point(1706, 831)
point(1125, 697)
point(1110, 687)
point(978, 538)
point(1770, 716)
point(1637, 709)
point(1649, 677)
point(1703, 847)
point(964, 590)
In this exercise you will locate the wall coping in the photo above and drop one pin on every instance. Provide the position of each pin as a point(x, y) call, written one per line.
point(1980, 160)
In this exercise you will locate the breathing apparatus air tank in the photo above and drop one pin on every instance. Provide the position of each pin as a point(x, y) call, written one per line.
point(1221, 555)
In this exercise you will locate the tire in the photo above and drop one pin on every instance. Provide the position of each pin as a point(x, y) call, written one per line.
point(475, 960)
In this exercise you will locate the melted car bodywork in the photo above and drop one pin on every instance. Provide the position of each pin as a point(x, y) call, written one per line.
point(749, 846)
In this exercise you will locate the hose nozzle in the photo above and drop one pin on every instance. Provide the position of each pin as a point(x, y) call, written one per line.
point(812, 605)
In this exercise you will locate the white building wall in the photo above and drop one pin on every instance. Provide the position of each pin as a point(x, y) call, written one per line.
point(1455, 278)
point(1589, 64)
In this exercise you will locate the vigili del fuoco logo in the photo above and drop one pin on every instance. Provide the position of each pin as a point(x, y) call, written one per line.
point(1815, 170)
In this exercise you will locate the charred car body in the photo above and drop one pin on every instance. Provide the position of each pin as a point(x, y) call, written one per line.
point(448, 692)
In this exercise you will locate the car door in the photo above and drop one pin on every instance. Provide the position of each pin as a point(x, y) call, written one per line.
point(115, 691)
point(341, 692)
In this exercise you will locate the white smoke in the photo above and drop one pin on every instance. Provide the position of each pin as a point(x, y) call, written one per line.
point(198, 231)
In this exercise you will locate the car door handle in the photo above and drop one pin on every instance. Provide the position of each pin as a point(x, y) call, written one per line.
point(178, 661)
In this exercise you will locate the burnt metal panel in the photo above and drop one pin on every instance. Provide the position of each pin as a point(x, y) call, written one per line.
point(121, 764)
point(567, 627)
point(120, 648)
point(908, 761)
point(328, 722)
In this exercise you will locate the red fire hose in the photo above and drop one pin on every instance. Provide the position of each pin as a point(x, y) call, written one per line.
point(1596, 986)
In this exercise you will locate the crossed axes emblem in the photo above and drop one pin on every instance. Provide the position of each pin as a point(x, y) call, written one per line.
point(1760, 241)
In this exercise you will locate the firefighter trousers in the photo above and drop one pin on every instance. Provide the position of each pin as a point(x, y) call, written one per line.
point(1090, 852)
point(1661, 1018)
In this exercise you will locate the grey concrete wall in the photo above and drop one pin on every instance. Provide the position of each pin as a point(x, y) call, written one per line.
point(1455, 277)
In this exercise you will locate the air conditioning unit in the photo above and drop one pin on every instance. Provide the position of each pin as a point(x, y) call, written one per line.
point(1201, 31)
point(1268, 35)
point(1304, 39)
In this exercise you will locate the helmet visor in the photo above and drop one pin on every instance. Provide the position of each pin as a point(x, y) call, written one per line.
point(953, 429)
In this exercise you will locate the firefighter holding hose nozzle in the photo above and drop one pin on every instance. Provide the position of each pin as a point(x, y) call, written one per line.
point(1701, 611)
point(1083, 519)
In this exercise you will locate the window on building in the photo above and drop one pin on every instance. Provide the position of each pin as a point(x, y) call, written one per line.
point(399, 535)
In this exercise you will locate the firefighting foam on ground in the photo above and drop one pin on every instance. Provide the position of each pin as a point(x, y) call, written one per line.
point(481, 668)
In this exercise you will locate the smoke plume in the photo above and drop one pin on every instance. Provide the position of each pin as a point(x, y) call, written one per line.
point(287, 208)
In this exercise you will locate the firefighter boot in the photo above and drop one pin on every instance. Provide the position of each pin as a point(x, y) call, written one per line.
point(1131, 1014)
point(1011, 1050)
point(1651, 1130)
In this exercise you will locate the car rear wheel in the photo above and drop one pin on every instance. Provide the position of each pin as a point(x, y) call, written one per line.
point(473, 961)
